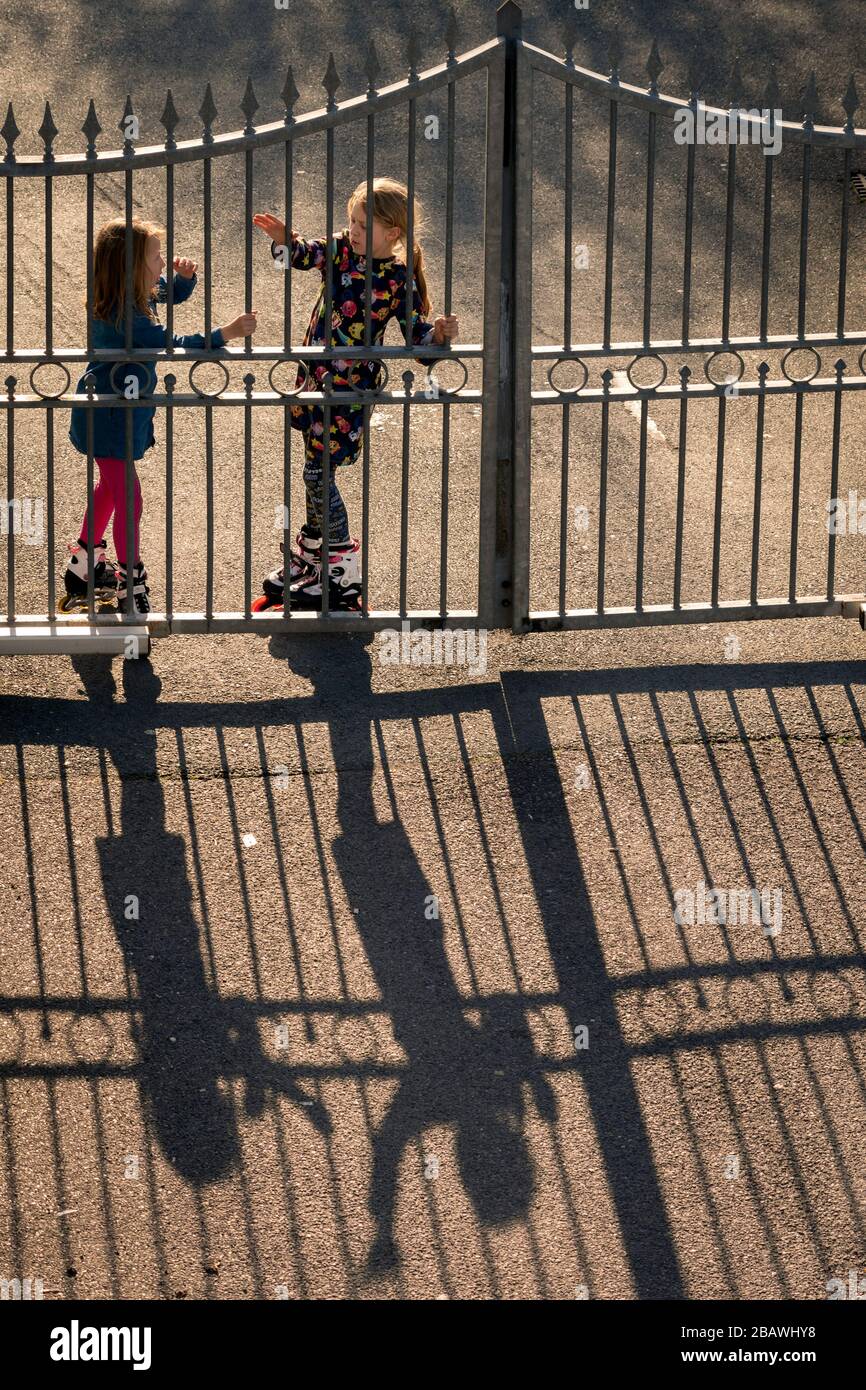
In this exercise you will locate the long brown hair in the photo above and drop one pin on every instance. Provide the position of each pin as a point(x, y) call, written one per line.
point(391, 206)
point(109, 269)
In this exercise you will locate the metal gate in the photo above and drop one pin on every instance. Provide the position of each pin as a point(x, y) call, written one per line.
point(600, 392)
point(514, 473)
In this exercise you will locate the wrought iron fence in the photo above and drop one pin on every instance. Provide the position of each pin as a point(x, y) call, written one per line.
point(613, 98)
point(508, 399)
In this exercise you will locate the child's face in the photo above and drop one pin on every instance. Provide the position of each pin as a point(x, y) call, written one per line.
point(153, 260)
point(385, 238)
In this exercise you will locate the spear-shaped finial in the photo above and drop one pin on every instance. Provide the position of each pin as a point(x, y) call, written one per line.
point(48, 132)
point(10, 133)
point(654, 66)
point(289, 95)
point(249, 106)
point(91, 129)
point(208, 113)
point(371, 67)
point(452, 33)
point(330, 82)
point(169, 120)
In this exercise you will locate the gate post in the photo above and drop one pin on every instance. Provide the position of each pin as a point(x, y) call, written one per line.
point(496, 541)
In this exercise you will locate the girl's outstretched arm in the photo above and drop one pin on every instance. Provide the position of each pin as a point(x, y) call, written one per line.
point(305, 255)
point(146, 334)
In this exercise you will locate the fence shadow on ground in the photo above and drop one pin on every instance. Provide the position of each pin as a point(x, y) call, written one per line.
point(474, 1080)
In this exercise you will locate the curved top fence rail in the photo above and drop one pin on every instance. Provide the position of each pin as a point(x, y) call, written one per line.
point(209, 146)
point(651, 99)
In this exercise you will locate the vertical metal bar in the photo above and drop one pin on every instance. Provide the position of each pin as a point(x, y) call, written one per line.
point(404, 506)
point(131, 555)
point(129, 308)
point(326, 499)
point(89, 266)
point(687, 250)
point(368, 250)
point(717, 512)
point(641, 504)
point(611, 214)
point(169, 498)
point(563, 505)
point(129, 287)
point(209, 522)
point(287, 502)
point(248, 497)
point(329, 237)
point(208, 270)
point(169, 256)
point(449, 197)
point(602, 495)
point(834, 484)
point(567, 222)
point(648, 231)
point(368, 339)
point(804, 239)
point(443, 533)
point(681, 495)
point(49, 268)
point(91, 539)
point(729, 241)
point(327, 383)
point(10, 267)
point(248, 241)
point(10, 489)
point(365, 511)
point(769, 162)
point(503, 566)
point(446, 408)
point(410, 223)
point(288, 192)
point(756, 502)
point(843, 245)
point(49, 483)
point(287, 284)
point(795, 497)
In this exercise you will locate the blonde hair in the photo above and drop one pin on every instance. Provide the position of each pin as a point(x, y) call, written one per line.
point(391, 206)
point(109, 269)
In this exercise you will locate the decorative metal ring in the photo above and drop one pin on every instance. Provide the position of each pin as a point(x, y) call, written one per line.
point(342, 392)
point(860, 362)
point(208, 395)
point(448, 390)
point(382, 386)
point(294, 392)
point(113, 384)
point(724, 352)
point(642, 357)
point(804, 348)
point(50, 395)
point(570, 390)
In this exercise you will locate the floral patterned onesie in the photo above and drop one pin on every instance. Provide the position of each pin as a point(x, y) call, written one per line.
point(348, 289)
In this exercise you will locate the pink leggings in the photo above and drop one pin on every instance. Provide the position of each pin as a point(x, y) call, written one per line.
point(109, 495)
